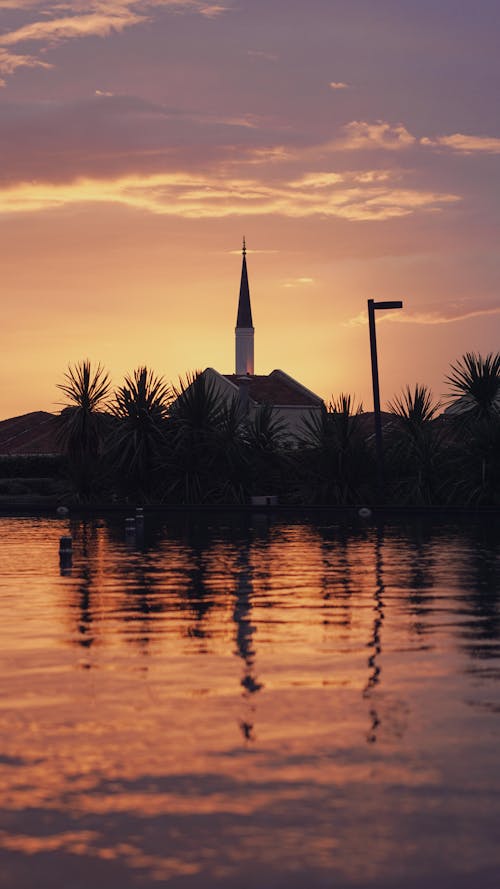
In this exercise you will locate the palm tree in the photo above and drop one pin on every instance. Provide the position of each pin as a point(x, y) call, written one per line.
point(336, 462)
point(474, 412)
point(196, 415)
point(414, 450)
point(137, 440)
point(268, 458)
point(82, 422)
point(474, 384)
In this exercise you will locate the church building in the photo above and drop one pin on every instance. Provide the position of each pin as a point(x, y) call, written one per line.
point(291, 401)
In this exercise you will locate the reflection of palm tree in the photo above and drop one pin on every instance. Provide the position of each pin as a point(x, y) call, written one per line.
point(479, 577)
point(336, 559)
point(138, 437)
point(81, 423)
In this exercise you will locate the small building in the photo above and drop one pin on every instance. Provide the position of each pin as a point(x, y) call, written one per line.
point(292, 403)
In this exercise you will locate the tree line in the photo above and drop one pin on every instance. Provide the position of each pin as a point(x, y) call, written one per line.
point(151, 442)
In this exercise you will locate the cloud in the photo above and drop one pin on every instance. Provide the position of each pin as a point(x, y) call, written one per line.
point(364, 135)
point(10, 62)
point(338, 85)
point(52, 31)
point(429, 317)
point(450, 318)
point(359, 134)
point(317, 180)
point(214, 195)
point(84, 18)
point(298, 282)
point(260, 54)
point(250, 250)
point(463, 144)
point(143, 155)
point(213, 10)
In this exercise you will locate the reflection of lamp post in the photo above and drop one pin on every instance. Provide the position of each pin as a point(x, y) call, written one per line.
point(372, 305)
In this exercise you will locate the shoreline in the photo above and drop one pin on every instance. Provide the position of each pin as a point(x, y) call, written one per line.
point(34, 506)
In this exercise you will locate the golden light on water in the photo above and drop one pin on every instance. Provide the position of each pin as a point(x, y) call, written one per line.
point(193, 706)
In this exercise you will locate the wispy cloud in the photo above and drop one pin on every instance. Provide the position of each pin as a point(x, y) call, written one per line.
point(429, 317)
point(53, 31)
point(10, 62)
point(317, 180)
point(450, 318)
point(260, 54)
point(212, 10)
point(215, 195)
point(92, 18)
point(338, 85)
point(251, 250)
point(359, 134)
point(298, 282)
point(463, 144)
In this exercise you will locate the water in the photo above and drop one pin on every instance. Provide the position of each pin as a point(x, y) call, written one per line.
point(243, 703)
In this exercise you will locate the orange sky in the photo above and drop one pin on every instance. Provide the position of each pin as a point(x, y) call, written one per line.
point(355, 148)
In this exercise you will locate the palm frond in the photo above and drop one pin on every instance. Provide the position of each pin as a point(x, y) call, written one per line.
point(415, 406)
point(84, 387)
point(474, 385)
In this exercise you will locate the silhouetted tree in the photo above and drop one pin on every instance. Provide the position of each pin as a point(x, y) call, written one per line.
point(195, 419)
point(335, 463)
point(474, 413)
point(137, 441)
point(82, 422)
point(414, 448)
point(268, 458)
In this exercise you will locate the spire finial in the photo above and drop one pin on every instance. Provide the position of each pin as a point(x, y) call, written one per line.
point(244, 246)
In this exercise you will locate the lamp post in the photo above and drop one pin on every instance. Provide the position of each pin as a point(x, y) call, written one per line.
point(372, 305)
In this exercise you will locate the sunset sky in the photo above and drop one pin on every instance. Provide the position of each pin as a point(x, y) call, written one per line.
point(355, 144)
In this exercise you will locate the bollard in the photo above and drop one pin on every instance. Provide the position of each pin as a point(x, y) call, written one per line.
point(65, 555)
point(129, 526)
point(66, 545)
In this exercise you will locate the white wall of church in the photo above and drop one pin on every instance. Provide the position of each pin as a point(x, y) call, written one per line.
point(244, 350)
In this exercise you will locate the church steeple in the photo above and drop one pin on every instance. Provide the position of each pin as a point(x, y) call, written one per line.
point(244, 327)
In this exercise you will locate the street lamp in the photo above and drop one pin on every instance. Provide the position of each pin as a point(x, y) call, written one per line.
point(372, 305)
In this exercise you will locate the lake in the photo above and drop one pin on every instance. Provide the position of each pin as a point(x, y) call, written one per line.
point(250, 702)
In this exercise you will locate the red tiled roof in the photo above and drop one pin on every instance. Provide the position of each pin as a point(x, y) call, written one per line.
point(33, 433)
point(276, 389)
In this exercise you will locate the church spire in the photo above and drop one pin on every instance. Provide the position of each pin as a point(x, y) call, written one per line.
point(244, 318)
point(244, 326)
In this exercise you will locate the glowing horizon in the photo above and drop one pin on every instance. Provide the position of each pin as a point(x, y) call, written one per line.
point(143, 138)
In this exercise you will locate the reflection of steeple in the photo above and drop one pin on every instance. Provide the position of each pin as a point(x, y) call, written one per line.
point(244, 637)
point(244, 325)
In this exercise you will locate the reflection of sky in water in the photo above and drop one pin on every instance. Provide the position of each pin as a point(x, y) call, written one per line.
point(249, 703)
